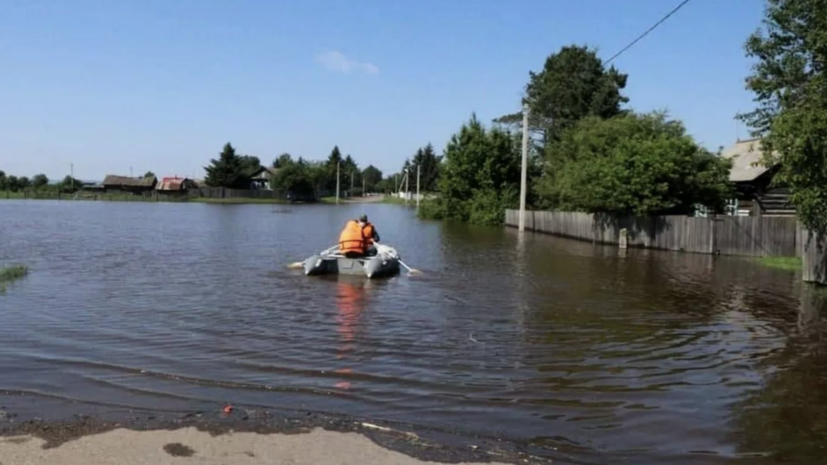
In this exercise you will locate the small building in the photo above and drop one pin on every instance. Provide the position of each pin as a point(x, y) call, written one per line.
point(755, 196)
point(115, 183)
point(261, 178)
point(175, 185)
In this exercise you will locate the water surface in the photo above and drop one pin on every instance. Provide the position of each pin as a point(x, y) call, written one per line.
point(587, 354)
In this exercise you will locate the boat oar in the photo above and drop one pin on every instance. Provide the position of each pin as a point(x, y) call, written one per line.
point(296, 265)
point(410, 270)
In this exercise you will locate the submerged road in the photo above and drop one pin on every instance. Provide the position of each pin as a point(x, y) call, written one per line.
point(568, 351)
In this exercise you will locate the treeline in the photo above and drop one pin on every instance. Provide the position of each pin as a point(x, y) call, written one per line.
point(38, 182)
point(587, 152)
point(301, 177)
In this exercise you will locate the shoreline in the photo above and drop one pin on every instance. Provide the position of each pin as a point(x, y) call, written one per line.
point(129, 198)
point(268, 425)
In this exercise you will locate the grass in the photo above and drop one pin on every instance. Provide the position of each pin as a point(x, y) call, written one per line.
point(782, 263)
point(10, 274)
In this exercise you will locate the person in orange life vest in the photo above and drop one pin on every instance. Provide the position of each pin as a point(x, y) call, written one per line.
point(370, 235)
point(351, 240)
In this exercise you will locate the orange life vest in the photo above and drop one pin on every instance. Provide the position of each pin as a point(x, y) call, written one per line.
point(351, 239)
point(367, 231)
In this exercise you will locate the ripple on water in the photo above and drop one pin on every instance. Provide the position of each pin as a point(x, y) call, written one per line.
point(572, 348)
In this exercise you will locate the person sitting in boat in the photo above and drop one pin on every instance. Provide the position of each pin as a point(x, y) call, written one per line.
point(370, 235)
point(352, 240)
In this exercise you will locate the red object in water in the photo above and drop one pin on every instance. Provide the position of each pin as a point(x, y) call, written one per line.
point(228, 409)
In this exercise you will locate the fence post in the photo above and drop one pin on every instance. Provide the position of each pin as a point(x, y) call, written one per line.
point(624, 238)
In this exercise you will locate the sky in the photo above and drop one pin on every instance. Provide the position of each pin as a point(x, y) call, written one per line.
point(119, 87)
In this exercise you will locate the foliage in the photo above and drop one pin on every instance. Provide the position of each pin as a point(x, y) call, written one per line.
point(573, 84)
point(632, 164)
point(251, 164)
point(229, 170)
point(149, 174)
point(480, 176)
point(429, 164)
point(372, 176)
point(790, 88)
point(40, 181)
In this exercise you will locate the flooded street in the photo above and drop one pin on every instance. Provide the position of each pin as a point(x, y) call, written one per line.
point(586, 355)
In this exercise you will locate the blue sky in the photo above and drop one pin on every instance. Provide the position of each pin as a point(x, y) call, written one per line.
point(161, 85)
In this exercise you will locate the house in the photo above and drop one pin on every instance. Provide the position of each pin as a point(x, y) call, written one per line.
point(175, 185)
point(754, 194)
point(126, 184)
point(261, 177)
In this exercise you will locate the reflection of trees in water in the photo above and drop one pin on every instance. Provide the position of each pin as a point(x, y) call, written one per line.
point(787, 416)
point(599, 320)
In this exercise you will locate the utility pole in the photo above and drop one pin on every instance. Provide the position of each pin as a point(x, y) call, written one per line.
point(337, 182)
point(524, 174)
point(407, 184)
point(418, 170)
point(72, 175)
point(363, 186)
point(351, 182)
point(130, 171)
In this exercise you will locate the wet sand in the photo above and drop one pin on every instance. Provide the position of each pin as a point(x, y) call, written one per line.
point(189, 445)
point(238, 436)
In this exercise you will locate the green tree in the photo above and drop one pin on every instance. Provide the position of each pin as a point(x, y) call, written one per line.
point(372, 177)
point(573, 84)
point(228, 170)
point(39, 181)
point(790, 88)
point(69, 184)
point(480, 176)
point(23, 182)
point(149, 174)
point(250, 163)
point(295, 178)
point(282, 160)
point(334, 163)
point(428, 163)
point(632, 164)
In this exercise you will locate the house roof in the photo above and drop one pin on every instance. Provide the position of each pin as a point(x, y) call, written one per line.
point(260, 173)
point(746, 160)
point(173, 184)
point(115, 180)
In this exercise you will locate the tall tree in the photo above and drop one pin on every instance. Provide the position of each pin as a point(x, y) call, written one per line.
point(428, 162)
point(228, 170)
point(573, 84)
point(333, 163)
point(251, 163)
point(372, 176)
point(480, 176)
point(40, 181)
point(790, 88)
point(282, 160)
point(632, 164)
point(149, 174)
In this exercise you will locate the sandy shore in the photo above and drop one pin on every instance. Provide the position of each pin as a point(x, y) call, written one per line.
point(189, 445)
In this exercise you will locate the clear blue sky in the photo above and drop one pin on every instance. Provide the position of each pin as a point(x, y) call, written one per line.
point(161, 85)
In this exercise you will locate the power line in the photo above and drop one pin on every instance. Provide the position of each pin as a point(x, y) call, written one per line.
point(684, 2)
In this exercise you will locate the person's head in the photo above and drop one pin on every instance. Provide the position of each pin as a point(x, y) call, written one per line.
point(363, 219)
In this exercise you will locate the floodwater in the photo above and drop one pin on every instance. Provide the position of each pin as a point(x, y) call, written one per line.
point(585, 354)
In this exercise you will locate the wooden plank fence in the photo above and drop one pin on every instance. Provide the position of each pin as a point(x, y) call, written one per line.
point(726, 235)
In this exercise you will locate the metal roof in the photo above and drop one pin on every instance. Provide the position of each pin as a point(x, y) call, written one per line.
point(746, 160)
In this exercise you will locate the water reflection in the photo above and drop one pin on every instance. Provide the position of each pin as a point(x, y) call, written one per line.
point(574, 348)
point(351, 298)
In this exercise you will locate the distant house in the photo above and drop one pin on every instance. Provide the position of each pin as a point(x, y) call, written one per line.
point(126, 184)
point(261, 177)
point(175, 185)
point(752, 179)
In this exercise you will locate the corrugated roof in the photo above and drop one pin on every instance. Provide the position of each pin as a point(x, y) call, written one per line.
point(115, 180)
point(746, 160)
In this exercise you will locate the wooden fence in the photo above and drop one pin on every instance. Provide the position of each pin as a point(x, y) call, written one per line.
point(727, 235)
